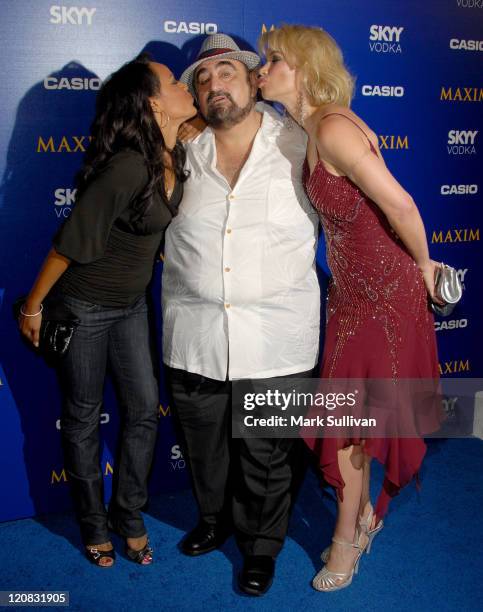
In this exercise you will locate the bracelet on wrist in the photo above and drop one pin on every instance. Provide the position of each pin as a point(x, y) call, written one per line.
point(24, 314)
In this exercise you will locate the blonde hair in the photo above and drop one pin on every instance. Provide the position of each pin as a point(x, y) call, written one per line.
point(318, 57)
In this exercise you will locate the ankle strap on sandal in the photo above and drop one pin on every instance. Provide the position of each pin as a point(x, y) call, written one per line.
point(356, 543)
point(348, 544)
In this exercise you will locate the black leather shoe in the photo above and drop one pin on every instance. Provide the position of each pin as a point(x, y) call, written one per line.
point(257, 574)
point(204, 538)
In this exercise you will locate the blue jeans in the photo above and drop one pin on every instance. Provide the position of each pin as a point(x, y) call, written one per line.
point(120, 339)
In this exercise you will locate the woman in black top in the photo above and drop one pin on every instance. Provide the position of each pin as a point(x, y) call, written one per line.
point(100, 265)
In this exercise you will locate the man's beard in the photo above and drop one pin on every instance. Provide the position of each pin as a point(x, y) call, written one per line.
point(228, 115)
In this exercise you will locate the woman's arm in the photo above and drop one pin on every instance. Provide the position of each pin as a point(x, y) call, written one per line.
point(52, 269)
point(341, 144)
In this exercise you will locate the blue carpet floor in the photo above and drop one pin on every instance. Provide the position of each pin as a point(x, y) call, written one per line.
point(429, 556)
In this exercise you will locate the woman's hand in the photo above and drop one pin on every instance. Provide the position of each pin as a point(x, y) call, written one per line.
point(30, 326)
point(189, 130)
point(429, 275)
point(52, 269)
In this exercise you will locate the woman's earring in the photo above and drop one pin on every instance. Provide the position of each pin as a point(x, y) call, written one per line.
point(162, 112)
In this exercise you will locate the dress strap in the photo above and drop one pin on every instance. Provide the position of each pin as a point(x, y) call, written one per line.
point(358, 126)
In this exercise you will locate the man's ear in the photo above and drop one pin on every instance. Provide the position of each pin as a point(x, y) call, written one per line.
point(253, 78)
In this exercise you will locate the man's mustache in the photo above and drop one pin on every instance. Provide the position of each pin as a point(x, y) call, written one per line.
point(214, 94)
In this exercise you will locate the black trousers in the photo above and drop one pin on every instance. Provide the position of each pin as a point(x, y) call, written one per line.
point(249, 480)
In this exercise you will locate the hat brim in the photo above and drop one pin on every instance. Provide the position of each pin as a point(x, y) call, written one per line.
point(250, 59)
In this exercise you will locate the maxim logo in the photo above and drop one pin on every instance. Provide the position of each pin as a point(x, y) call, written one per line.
point(470, 3)
point(462, 142)
point(452, 324)
point(459, 190)
point(193, 27)
point(456, 235)
point(75, 83)
point(164, 411)
point(73, 15)
point(454, 367)
point(465, 45)
point(462, 94)
point(393, 142)
point(57, 478)
point(385, 39)
point(386, 91)
point(67, 144)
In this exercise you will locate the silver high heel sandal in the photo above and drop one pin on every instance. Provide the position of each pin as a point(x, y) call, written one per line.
point(371, 533)
point(364, 525)
point(326, 580)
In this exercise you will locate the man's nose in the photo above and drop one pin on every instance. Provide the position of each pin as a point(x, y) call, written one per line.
point(214, 82)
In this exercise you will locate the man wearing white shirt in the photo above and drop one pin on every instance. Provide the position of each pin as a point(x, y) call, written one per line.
point(240, 301)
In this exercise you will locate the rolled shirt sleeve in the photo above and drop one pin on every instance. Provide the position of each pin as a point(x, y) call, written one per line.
point(84, 235)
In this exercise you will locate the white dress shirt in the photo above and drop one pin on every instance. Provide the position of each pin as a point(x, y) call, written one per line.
point(240, 290)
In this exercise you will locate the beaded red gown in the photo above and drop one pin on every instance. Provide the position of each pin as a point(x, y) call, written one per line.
point(379, 324)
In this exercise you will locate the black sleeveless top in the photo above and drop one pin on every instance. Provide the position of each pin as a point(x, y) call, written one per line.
point(113, 252)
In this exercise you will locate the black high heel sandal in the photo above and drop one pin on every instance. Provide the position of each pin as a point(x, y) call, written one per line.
point(143, 556)
point(95, 555)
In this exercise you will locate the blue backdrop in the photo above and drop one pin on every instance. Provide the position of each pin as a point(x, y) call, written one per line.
point(419, 72)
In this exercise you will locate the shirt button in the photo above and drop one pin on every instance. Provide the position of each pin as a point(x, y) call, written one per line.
point(227, 305)
point(227, 269)
point(228, 231)
point(231, 197)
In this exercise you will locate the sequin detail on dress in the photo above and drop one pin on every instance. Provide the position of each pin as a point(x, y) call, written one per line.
point(378, 321)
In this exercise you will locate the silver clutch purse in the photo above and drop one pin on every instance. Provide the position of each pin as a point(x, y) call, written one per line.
point(448, 288)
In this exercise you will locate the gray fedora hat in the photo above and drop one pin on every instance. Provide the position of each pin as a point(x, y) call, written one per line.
point(219, 46)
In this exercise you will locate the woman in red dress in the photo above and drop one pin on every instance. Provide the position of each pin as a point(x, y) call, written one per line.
point(379, 324)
